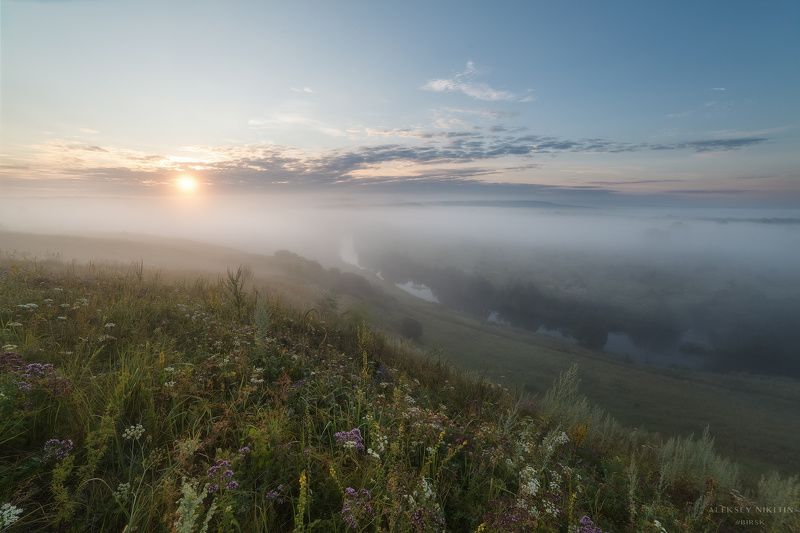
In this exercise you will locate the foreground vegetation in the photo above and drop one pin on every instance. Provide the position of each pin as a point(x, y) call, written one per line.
point(131, 402)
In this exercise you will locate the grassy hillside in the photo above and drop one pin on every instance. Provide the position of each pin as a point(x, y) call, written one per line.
point(754, 418)
point(132, 402)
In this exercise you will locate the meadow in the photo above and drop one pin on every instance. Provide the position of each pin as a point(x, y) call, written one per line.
point(136, 399)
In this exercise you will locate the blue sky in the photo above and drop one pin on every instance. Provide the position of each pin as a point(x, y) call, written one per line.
point(635, 99)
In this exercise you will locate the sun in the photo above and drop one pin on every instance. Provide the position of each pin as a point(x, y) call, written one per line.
point(186, 183)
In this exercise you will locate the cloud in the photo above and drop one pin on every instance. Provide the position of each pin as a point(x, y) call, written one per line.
point(719, 89)
point(304, 90)
point(720, 145)
point(410, 154)
point(464, 82)
point(89, 131)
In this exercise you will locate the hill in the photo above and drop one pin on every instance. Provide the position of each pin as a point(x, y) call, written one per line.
point(669, 401)
point(132, 401)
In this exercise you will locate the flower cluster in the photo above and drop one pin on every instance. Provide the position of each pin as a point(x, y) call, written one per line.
point(28, 375)
point(258, 376)
point(427, 513)
point(277, 494)
point(58, 448)
point(587, 526)
point(357, 509)
point(351, 440)
point(9, 514)
point(133, 432)
point(221, 475)
point(122, 492)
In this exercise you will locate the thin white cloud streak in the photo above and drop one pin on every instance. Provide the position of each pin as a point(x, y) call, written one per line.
point(465, 82)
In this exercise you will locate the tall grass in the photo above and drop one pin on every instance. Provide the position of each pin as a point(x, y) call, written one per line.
point(202, 405)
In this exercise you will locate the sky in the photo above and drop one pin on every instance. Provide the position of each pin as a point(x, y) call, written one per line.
point(629, 101)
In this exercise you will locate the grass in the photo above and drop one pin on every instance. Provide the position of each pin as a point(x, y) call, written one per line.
point(754, 418)
point(135, 402)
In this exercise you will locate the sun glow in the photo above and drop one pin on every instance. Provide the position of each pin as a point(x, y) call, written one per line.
point(186, 183)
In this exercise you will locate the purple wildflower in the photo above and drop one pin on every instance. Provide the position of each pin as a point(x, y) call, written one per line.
point(58, 448)
point(37, 370)
point(10, 362)
point(357, 508)
point(587, 526)
point(220, 474)
point(350, 439)
point(276, 494)
point(244, 451)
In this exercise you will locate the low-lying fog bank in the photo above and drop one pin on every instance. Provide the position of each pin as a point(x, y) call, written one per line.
point(706, 288)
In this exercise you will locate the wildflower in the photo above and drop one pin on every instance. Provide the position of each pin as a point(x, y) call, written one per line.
point(244, 451)
point(9, 514)
point(122, 492)
point(133, 432)
point(169, 369)
point(61, 318)
point(28, 307)
point(58, 448)
point(37, 370)
point(587, 526)
point(169, 384)
point(258, 376)
point(14, 324)
point(276, 494)
point(10, 362)
point(9, 347)
point(350, 439)
point(357, 508)
point(110, 325)
point(529, 481)
point(220, 474)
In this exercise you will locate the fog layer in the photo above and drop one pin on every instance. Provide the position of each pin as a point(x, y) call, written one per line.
point(705, 288)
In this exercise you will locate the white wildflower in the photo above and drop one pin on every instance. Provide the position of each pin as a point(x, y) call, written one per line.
point(133, 432)
point(122, 492)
